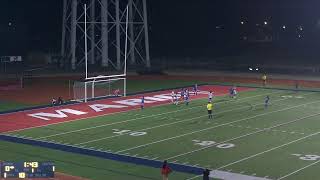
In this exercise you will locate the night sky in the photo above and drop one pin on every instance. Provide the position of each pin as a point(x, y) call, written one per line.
point(177, 27)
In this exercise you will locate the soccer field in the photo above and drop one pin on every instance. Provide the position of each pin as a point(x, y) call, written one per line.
point(244, 140)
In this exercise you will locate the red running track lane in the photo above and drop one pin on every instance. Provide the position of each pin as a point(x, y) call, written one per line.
point(20, 120)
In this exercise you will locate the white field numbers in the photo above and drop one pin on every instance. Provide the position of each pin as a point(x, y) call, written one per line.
point(289, 96)
point(308, 157)
point(128, 132)
point(213, 143)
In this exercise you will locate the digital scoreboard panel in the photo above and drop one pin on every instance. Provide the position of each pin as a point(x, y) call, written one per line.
point(29, 169)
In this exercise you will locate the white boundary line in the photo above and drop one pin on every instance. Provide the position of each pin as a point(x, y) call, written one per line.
point(144, 117)
point(213, 127)
point(298, 170)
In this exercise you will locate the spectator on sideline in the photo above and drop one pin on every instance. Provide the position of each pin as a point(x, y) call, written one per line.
point(165, 170)
point(206, 174)
point(53, 101)
point(264, 80)
point(116, 92)
point(60, 100)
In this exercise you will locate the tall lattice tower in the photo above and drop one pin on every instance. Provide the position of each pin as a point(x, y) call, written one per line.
point(106, 21)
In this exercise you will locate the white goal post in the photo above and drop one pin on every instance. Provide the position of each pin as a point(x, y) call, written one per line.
point(102, 85)
point(99, 88)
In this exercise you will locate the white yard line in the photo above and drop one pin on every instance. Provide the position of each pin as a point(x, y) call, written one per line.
point(201, 130)
point(245, 135)
point(266, 151)
point(298, 170)
point(144, 117)
point(162, 125)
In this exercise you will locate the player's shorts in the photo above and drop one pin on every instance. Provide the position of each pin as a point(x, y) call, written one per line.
point(209, 111)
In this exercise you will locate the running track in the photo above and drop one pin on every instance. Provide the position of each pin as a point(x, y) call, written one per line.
point(22, 120)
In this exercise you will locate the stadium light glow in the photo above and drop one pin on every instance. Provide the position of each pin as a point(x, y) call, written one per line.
point(284, 27)
point(265, 23)
point(250, 69)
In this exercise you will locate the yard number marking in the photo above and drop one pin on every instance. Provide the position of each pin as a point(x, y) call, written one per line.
point(129, 132)
point(210, 143)
point(289, 96)
point(308, 157)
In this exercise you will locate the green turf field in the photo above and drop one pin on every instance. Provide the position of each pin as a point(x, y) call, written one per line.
point(278, 142)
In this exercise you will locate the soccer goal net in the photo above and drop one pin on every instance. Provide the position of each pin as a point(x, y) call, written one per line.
point(93, 89)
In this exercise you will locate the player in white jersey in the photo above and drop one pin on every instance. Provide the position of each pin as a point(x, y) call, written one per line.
point(172, 96)
point(210, 96)
point(176, 99)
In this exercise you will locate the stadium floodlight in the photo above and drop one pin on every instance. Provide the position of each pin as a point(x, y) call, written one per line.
point(250, 69)
point(242, 22)
point(265, 22)
point(257, 69)
point(284, 27)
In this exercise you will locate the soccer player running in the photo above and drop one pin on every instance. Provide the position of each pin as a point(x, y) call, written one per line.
point(266, 102)
point(176, 99)
point(234, 92)
point(195, 89)
point(186, 98)
point(172, 97)
point(182, 94)
point(210, 96)
point(209, 108)
point(142, 103)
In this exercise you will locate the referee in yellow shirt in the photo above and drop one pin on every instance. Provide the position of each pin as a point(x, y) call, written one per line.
point(209, 108)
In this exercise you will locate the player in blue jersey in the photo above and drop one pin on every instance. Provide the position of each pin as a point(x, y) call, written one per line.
point(266, 101)
point(182, 94)
point(186, 98)
point(195, 89)
point(142, 102)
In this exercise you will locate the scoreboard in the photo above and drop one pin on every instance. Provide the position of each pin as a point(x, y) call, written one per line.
point(30, 169)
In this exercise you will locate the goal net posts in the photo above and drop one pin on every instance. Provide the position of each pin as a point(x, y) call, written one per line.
point(99, 88)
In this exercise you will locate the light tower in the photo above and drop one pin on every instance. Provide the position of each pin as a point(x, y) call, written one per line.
point(106, 33)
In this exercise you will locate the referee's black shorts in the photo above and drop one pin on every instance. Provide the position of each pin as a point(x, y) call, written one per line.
point(209, 111)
